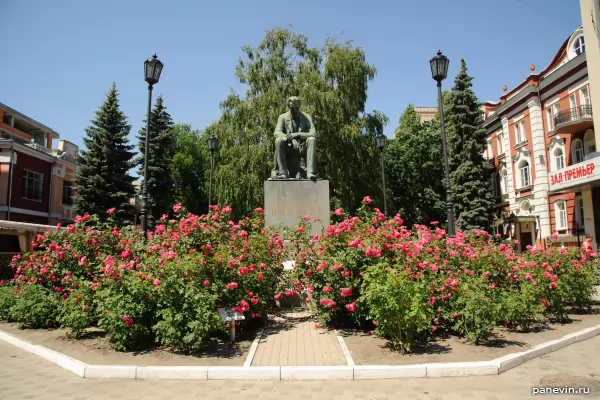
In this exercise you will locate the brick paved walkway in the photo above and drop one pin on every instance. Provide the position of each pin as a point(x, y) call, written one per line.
point(292, 339)
point(27, 377)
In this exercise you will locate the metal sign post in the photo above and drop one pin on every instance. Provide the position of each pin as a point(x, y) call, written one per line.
point(230, 316)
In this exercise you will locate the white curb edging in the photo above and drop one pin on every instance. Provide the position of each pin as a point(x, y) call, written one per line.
point(346, 372)
point(345, 351)
point(253, 349)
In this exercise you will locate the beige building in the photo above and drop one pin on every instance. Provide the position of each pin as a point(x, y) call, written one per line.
point(590, 18)
point(426, 113)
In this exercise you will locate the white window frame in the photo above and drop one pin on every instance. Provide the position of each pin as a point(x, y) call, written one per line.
point(520, 134)
point(493, 182)
point(559, 160)
point(555, 110)
point(549, 118)
point(503, 181)
point(560, 215)
point(575, 151)
point(584, 96)
point(572, 101)
point(579, 45)
point(499, 143)
point(524, 174)
point(31, 178)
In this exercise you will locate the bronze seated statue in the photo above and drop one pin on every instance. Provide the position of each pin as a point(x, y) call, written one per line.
point(295, 144)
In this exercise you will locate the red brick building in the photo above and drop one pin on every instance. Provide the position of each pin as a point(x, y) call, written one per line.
point(542, 152)
point(37, 186)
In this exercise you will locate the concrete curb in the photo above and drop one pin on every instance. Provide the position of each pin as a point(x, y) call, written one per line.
point(253, 348)
point(346, 372)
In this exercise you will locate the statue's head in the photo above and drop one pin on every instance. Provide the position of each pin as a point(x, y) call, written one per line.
point(294, 105)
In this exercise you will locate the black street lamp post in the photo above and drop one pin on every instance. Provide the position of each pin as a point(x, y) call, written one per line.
point(152, 70)
point(381, 140)
point(213, 145)
point(439, 71)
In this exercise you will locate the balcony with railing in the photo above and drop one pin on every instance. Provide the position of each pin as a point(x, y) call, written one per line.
point(574, 119)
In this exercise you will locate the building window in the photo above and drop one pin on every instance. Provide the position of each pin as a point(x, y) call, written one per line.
point(579, 45)
point(32, 185)
point(549, 119)
point(589, 142)
point(559, 158)
point(584, 96)
point(493, 183)
point(577, 151)
point(560, 214)
point(490, 152)
point(524, 174)
point(551, 113)
point(499, 142)
point(579, 214)
point(67, 193)
point(503, 181)
point(520, 135)
point(572, 101)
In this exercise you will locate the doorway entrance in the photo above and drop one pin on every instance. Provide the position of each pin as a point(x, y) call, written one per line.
point(526, 235)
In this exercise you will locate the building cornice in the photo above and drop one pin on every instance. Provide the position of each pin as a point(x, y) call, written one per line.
point(5, 144)
point(545, 84)
point(41, 126)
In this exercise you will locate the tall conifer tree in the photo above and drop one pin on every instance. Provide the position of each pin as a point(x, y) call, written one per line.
point(160, 155)
point(470, 180)
point(103, 175)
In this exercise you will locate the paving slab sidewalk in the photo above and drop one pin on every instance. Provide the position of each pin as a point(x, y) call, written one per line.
point(291, 339)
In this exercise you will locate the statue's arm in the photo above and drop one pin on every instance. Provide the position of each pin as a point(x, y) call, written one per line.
point(312, 132)
point(280, 128)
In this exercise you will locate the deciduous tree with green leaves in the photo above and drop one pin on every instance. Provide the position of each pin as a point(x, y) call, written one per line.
point(471, 188)
point(332, 82)
point(189, 167)
point(103, 174)
point(414, 168)
point(160, 155)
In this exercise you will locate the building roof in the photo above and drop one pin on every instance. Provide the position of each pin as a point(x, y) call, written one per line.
point(32, 121)
point(563, 61)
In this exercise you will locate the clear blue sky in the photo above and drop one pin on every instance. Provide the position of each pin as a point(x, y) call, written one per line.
point(60, 57)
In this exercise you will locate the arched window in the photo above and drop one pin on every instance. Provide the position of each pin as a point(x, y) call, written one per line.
point(579, 45)
point(524, 173)
point(503, 181)
point(577, 151)
point(559, 159)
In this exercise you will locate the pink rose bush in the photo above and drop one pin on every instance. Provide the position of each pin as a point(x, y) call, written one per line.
point(166, 290)
point(364, 271)
point(367, 271)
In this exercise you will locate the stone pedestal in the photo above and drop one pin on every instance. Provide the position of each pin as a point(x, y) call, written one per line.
point(286, 201)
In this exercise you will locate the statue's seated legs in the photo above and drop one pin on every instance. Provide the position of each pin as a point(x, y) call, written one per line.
point(289, 156)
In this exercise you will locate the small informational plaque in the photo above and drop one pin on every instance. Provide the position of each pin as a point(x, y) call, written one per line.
point(228, 315)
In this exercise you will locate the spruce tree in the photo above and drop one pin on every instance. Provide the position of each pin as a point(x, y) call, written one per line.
point(469, 177)
point(160, 154)
point(103, 174)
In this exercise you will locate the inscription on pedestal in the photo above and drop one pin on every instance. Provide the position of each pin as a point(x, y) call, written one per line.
point(286, 201)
